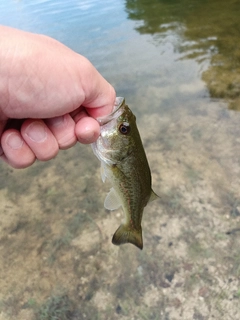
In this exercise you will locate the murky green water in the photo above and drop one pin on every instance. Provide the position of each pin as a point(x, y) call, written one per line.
point(177, 65)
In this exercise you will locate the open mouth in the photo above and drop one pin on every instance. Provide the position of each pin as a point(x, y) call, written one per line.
point(119, 102)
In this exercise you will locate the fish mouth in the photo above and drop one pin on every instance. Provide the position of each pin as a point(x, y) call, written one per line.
point(119, 102)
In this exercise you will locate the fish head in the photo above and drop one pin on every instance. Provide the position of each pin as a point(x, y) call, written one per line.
point(117, 130)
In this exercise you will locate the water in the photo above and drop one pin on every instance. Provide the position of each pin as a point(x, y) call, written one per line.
point(177, 65)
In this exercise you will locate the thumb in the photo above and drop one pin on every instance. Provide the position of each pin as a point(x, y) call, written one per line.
point(98, 92)
point(103, 103)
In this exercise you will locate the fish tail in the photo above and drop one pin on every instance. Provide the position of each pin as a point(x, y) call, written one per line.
point(126, 235)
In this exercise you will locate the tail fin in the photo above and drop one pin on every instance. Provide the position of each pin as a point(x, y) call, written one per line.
point(126, 235)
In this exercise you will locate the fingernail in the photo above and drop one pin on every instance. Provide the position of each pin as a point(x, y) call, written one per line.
point(57, 121)
point(36, 132)
point(14, 141)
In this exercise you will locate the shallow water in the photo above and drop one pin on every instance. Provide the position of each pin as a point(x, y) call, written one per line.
point(177, 65)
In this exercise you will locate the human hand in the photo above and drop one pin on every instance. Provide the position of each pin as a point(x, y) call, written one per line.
point(50, 96)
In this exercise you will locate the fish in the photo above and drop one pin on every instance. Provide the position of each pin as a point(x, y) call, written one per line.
point(124, 163)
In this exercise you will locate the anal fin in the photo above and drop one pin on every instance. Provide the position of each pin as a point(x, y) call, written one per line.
point(112, 201)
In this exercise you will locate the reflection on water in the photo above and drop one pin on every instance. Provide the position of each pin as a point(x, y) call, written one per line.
point(208, 30)
point(57, 260)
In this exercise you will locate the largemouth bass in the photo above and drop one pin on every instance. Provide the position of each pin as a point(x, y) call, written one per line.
point(124, 163)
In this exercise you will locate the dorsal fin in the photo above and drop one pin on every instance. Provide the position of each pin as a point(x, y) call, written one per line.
point(153, 196)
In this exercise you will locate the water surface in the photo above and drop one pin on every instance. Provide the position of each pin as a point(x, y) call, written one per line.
point(177, 65)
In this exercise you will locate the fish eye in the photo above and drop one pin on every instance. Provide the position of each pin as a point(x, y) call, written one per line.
point(124, 128)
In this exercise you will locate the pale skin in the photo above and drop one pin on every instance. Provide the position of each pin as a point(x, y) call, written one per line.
point(49, 98)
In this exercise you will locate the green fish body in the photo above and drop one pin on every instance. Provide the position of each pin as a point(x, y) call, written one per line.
point(124, 163)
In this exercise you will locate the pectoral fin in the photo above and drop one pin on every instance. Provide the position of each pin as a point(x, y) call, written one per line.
point(103, 174)
point(126, 235)
point(112, 201)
